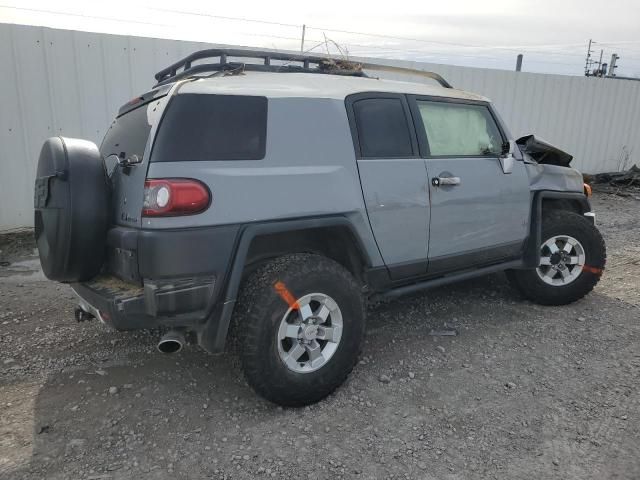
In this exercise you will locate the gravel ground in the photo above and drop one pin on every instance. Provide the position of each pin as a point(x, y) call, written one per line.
point(523, 392)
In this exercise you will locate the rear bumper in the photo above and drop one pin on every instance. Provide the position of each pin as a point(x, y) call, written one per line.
point(121, 310)
point(169, 278)
point(182, 302)
point(135, 255)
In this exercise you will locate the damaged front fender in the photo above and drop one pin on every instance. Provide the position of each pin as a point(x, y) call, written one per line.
point(553, 177)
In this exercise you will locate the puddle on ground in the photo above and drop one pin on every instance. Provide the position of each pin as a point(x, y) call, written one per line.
point(23, 271)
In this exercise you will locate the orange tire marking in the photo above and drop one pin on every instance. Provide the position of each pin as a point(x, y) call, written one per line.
point(282, 290)
point(594, 270)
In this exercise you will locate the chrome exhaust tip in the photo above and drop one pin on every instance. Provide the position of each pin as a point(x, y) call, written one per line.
point(171, 342)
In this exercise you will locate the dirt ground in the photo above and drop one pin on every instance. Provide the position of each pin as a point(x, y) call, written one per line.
point(523, 392)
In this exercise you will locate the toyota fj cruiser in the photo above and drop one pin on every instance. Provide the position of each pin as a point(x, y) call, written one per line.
point(274, 198)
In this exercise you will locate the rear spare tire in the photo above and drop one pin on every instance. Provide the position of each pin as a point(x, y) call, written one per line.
point(71, 201)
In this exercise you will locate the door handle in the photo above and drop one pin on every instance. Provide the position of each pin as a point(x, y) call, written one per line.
point(437, 181)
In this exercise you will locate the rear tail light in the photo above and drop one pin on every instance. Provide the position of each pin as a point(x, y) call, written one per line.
point(170, 197)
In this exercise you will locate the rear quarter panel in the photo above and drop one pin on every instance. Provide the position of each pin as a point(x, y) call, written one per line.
point(309, 169)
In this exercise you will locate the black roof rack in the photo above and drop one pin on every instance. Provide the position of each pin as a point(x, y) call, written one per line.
point(305, 64)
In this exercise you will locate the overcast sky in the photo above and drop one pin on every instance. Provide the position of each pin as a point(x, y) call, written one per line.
point(552, 34)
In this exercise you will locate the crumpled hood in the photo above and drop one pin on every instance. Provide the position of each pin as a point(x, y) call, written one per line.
point(543, 152)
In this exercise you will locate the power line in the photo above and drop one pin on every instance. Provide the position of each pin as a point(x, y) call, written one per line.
point(81, 15)
point(450, 44)
point(520, 49)
point(199, 14)
point(628, 53)
point(348, 44)
point(352, 32)
point(485, 57)
point(621, 42)
point(440, 54)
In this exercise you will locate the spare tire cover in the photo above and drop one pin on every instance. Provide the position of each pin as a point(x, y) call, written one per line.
point(71, 202)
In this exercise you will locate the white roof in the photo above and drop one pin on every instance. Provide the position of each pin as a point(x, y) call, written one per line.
point(315, 85)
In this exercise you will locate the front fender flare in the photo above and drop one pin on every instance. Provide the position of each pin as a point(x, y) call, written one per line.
point(531, 257)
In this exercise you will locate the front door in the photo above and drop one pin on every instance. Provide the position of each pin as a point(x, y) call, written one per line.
point(479, 211)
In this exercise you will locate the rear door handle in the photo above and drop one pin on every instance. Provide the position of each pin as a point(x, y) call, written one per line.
point(437, 181)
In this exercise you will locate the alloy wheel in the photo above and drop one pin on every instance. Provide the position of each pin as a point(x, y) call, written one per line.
point(309, 333)
point(562, 259)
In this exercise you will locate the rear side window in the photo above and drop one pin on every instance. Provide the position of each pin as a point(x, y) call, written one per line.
point(460, 129)
point(127, 135)
point(383, 131)
point(212, 127)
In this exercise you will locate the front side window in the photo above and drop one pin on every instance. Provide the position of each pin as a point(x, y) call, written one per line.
point(456, 129)
point(383, 131)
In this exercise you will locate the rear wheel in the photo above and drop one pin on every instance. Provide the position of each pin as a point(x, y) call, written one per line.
point(299, 325)
point(572, 258)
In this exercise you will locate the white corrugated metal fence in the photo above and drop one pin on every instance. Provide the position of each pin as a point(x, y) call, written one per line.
point(59, 82)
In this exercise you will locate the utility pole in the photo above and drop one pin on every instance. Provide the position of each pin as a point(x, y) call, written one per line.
point(304, 28)
point(600, 64)
point(588, 61)
point(519, 63)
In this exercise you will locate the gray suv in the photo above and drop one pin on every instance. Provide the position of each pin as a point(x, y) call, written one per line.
point(273, 195)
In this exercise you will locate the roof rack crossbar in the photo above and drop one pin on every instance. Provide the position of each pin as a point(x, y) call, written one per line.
point(309, 64)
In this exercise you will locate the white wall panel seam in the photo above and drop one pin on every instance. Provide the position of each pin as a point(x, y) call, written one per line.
point(6, 202)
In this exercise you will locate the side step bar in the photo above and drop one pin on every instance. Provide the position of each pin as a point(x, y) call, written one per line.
point(454, 277)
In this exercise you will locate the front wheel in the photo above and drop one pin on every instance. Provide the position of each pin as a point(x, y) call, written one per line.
point(299, 323)
point(572, 258)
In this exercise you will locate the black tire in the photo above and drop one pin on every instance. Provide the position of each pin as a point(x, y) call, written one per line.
point(261, 309)
point(529, 283)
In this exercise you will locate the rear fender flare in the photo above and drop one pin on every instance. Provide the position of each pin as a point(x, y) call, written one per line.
point(213, 335)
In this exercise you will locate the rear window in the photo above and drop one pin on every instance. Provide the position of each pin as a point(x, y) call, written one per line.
point(127, 135)
point(383, 131)
point(212, 127)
